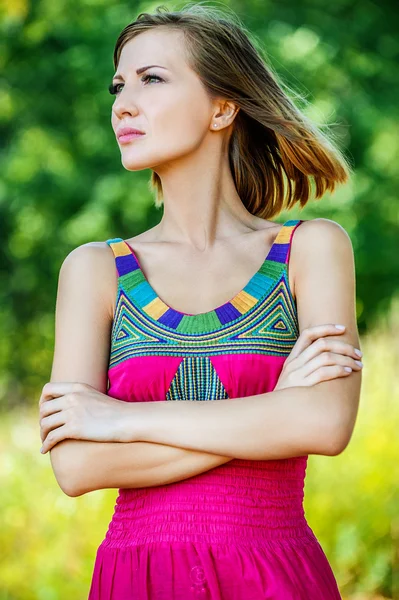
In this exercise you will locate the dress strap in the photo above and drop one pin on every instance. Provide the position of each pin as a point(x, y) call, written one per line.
point(124, 258)
point(280, 251)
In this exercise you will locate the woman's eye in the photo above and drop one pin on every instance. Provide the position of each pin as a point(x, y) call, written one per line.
point(113, 88)
point(151, 76)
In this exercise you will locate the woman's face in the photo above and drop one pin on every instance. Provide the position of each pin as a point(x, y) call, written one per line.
point(167, 102)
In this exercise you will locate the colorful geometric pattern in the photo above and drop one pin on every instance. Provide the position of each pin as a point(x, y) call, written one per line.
point(261, 318)
point(196, 379)
point(132, 277)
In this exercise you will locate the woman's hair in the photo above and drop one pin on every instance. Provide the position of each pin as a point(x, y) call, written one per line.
point(273, 144)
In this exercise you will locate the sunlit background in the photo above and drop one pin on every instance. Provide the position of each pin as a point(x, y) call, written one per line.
point(62, 185)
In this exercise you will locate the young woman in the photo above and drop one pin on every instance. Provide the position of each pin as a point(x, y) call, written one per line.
point(216, 302)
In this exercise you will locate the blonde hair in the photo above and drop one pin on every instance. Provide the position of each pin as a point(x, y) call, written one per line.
point(274, 147)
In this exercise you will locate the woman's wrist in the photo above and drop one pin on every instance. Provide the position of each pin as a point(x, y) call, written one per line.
point(131, 421)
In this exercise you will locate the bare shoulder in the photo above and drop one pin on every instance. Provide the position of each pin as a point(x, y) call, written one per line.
point(316, 230)
point(321, 241)
point(324, 269)
point(91, 252)
point(321, 234)
point(92, 266)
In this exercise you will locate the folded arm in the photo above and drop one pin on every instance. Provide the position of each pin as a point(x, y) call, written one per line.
point(288, 422)
point(85, 307)
point(292, 421)
point(83, 466)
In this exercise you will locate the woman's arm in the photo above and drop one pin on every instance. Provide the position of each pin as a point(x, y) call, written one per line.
point(103, 465)
point(288, 422)
point(86, 295)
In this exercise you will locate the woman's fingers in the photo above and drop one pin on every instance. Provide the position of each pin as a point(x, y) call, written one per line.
point(56, 389)
point(327, 359)
point(310, 334)
point(51, 406)
point(318, 356)
point(51, 415)
point(55, 436)
point(51, 422)
point(323, 346)
point(324, 374)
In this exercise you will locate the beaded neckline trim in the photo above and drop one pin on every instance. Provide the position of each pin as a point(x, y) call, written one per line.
point(133, 282)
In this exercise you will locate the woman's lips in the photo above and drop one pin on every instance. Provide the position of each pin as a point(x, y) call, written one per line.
point(125, 139)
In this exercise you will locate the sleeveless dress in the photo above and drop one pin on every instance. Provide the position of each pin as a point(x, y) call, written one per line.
point(237, 531)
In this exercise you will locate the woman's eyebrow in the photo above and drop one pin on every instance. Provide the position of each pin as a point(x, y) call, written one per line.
point(139, 71)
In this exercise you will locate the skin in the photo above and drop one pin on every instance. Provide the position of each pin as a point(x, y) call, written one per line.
point(204, 227)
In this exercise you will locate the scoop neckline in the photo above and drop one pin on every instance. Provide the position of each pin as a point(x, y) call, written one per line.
point(214, 310)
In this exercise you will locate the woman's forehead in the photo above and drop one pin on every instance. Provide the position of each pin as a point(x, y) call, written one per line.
point(152, 48)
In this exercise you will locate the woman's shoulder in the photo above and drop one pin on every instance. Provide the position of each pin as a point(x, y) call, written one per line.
point(89, 255)
point(318, 246)
point(91, 266)
point(319, 242)
point(319, 233)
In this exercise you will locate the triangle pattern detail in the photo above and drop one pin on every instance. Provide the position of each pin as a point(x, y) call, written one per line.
point(278, 319)
point(279, 325)
point(196, 379)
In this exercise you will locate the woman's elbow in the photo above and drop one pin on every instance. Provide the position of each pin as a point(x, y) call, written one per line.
point(69, 489)
point(64, 463)
point(342, 412)
point(340, 434)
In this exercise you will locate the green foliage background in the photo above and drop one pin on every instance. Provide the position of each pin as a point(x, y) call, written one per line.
point(62, 185)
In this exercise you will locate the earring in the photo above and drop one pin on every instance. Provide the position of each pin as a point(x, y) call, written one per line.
point(215, 124)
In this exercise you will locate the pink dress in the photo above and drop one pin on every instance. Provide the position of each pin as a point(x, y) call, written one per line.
point(237, 531)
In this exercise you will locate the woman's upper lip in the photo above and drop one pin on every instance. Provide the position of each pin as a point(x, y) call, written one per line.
point(127, 131)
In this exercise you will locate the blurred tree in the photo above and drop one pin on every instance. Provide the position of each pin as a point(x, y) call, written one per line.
point(63, 184)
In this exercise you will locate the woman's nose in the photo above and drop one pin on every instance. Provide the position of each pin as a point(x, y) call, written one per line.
point(124, 105)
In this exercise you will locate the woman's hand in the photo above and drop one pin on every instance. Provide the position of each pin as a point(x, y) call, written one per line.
point(79, 411)
point(314, 358)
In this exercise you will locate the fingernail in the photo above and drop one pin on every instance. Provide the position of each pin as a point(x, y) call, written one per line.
point(359, 362)
point(340, 326)
point(348, 369)
point(42, 450)
point(358, 352)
